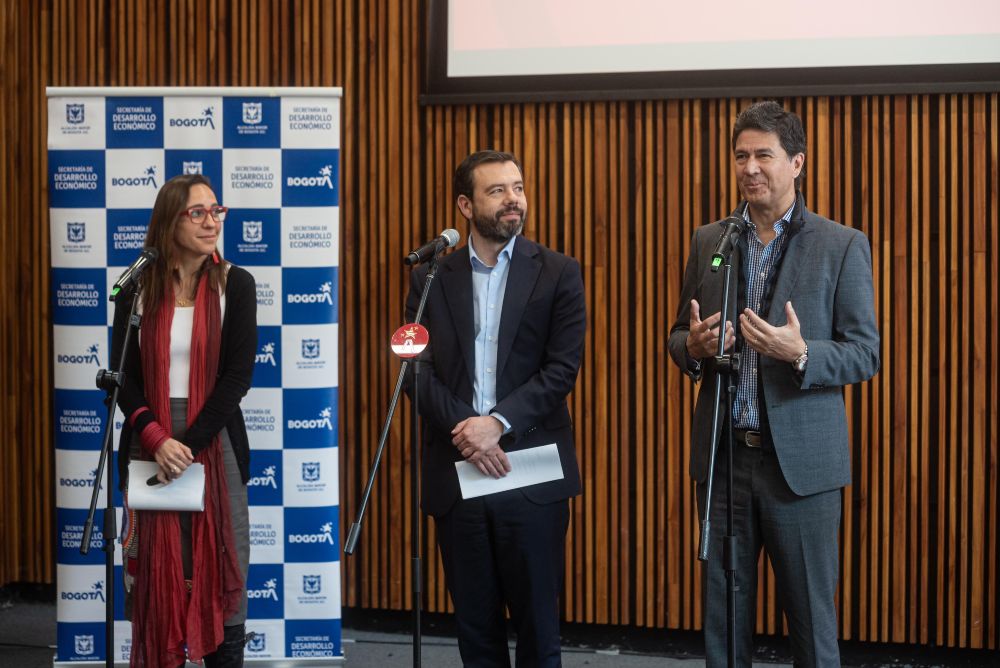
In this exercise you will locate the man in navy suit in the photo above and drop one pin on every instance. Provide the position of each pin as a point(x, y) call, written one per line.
point(507, 319)
point(802, 285)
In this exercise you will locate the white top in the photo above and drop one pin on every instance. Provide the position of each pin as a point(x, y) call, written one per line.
point(180, 348)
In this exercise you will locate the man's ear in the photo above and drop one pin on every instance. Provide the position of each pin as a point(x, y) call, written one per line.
point(465, 206)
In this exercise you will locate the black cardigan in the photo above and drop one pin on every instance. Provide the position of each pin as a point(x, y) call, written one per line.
point(237, 355)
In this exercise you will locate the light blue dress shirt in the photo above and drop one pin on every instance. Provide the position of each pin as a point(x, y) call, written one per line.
point(488, 287)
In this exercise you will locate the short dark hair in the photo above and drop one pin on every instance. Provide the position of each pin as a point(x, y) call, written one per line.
point(769, 116)
point(464, 173)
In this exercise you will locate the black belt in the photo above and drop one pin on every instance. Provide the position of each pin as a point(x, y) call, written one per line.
point(748, 437)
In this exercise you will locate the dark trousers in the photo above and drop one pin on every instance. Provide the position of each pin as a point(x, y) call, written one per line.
point(503, 551)
point(800, 534)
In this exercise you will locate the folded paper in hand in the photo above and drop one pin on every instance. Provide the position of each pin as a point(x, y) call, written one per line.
point(184, 493)
point(530, 466)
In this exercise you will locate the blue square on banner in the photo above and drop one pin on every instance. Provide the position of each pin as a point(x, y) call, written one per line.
point(253, 237)
point(76, 179)
point(267, 368)
point(310, 417)
point(126, 235)
point(265, 590)
point(81, 641)
point(69, 536)
point(309, 177)
point(79, 297)
point(251, 122)
point(310, 295)
point(207, 162)
point(80, 417)
point(134, 122)
point(312, 638)
point(264, 487)
point(311, 534)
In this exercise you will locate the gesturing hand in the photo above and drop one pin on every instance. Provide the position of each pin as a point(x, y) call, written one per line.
point(781, 343)
point(703, 335)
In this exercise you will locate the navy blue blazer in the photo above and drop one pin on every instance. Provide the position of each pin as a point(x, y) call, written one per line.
point(542, 328)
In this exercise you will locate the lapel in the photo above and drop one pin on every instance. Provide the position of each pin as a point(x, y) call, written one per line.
point(521, 278)
point(455, 276)
point(796, 257)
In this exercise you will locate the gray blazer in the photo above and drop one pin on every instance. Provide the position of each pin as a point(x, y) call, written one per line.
point(827, 275)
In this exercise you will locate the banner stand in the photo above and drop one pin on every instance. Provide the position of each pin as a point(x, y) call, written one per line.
point(273, 157)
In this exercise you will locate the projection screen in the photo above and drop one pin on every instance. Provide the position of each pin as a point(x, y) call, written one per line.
point(518, 50)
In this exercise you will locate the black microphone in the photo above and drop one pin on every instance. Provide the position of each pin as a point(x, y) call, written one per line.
point(734, 228)
point(129, 276)
point(447, 239)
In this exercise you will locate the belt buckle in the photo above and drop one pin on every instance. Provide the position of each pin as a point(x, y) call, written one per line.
point(751, 439)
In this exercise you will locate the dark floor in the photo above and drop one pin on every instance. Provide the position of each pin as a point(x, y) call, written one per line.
point(382, 639)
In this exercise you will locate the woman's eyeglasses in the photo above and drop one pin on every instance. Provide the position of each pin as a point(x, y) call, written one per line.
point(197, 213)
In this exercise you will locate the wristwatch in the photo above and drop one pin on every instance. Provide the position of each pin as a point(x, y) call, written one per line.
point(799, 364)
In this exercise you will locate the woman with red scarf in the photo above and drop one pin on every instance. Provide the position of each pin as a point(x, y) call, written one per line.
point(186, 572)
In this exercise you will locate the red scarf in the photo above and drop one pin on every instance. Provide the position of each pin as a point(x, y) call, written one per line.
point(166, 618)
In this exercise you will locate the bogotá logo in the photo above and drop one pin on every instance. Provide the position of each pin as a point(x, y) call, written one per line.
point(206, 120)
point(192, 167)
point(325, 535)
point(266, 354)
point(323, 421)
point(312, 584)
point(323, 295)
point(265, 479)
point(325, 172)
point(90, 357)
point(74, 114)
point(76, 233)
point(96, 593)
point(79, 482)
point(257, 642)
point(83, 644)
point(148, 179)
point(269, 592)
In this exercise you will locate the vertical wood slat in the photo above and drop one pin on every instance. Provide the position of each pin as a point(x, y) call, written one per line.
point(621, 186)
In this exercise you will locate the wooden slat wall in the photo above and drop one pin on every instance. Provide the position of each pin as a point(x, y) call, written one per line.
point(620, 186)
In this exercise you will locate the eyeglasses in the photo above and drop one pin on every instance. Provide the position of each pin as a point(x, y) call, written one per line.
point(197, 213)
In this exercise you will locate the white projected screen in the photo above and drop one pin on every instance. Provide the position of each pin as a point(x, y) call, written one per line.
point(493, 38)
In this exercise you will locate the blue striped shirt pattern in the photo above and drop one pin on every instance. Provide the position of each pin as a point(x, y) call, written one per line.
point(489, 284)
point(759, 261)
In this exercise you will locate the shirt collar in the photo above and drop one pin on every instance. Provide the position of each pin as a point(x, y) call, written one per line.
point(505, 252)
point(779, 224)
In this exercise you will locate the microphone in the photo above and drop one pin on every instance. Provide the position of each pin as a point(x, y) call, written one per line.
point(734, 228)
point(447, 239)
point(129, 276)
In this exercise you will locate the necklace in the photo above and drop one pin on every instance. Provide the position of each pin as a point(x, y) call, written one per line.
point(183, 303)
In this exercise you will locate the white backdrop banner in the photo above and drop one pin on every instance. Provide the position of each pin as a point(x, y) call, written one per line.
point(273, 157)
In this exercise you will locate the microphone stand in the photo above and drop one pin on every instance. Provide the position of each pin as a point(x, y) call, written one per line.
point(727, 368)
point(111, 382)
point(415, 542)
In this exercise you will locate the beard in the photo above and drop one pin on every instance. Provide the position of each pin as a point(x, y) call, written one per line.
point(494, 228)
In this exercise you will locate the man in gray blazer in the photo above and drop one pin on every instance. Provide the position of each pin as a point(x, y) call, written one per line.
point(802, 316)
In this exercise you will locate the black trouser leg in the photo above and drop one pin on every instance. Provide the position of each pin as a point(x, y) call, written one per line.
point(230, 653)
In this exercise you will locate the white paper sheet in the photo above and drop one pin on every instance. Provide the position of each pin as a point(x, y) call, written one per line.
point(184, 493)
point(528, 467)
